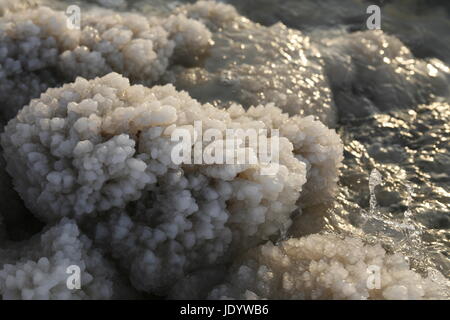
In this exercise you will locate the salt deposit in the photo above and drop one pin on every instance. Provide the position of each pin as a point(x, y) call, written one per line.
point(94, 185)
point(101, 150)
point(38, 49)
point(325, 267)
point(37, 269)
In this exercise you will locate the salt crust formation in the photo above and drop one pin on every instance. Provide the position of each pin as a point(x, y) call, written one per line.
point(101, 150)
point(38, 49)
point(95, 155)
point(324, 267)
point(421, 26)
point(373, 71)
point(329, 74)
point(37, 269)
point(368, 70)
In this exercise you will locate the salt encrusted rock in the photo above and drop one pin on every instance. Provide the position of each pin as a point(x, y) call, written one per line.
point(101, 150)
point(192, 38)
point(415, 24)
point(38, 268)
point(367, 71)
point(39, 50)
point(372, 71)
point(324, 267)
point(14, 5)
point(251, 64)
point(314, 144)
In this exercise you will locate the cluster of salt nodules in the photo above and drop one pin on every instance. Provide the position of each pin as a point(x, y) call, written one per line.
point(99, 152)
point(325, 267)
point(37, 269)
point(40, 49)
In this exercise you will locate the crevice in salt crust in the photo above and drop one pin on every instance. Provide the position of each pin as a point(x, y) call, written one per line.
point(38, 50)
point(324, 267)
point(99, 152)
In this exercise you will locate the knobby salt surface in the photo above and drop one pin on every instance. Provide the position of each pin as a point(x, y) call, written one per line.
point(90, 160)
